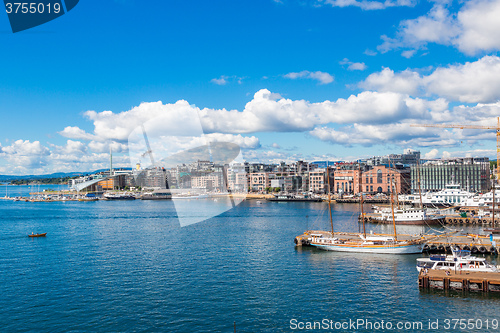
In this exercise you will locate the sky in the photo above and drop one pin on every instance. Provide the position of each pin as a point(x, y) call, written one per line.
point(286, 80)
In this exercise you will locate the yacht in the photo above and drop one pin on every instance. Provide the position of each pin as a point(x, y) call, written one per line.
point(460, 260)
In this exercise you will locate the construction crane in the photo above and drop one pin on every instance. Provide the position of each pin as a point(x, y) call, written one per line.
point(497, 128)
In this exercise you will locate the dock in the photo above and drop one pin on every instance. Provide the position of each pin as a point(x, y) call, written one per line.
point(477, 244)
point(459, 280)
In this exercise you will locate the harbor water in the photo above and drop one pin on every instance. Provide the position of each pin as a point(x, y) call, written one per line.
point(128, 266)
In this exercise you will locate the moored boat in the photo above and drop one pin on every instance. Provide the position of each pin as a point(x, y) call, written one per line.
point(157, 195)
point(118, 196)
point(460, 260)
point(381, 244)
point(407, 216)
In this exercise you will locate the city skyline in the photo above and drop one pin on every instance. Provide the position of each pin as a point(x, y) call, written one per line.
point(285, 80)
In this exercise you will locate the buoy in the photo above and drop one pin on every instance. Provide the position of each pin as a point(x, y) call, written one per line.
point(426, 247)
point(474, 249)
point(482, 249)
point(466, 248)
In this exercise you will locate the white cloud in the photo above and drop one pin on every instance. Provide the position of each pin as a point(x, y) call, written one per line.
point(406, 82)
point(473, 29)
point(224, 79)
point(220, 81)
point(370, 5)
point(398, 133)
point(435, 154)
point(472, 82)
point(73, 132)
point(25, 156)
point(242, 141)
point(480, 27)
point(322, 77)
point(432, 154)
point(353, 66)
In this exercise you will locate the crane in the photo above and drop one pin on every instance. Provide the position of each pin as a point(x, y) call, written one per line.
point(497, 128)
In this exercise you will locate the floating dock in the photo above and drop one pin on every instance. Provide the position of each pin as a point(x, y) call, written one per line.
point(459, 280)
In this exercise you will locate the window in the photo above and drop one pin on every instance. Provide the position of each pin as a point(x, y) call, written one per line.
point(371, 188)
point(371, 180)
point(379, 176)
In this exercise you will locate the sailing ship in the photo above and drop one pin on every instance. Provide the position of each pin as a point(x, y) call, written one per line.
point(372, 243)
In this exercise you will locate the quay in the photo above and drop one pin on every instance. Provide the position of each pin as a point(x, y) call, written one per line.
point(477, 244)
point(459, 280)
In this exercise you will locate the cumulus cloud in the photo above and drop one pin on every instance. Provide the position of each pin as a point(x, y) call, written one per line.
point(399, 133)
point(322, 77)
point(221, 81)
point(224, 79)
point(353, 66)
point(406, 82)
point(473, 29)
point(370, 5)
point(472, 82)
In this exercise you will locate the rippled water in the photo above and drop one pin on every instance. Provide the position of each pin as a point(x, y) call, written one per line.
point(130, 267)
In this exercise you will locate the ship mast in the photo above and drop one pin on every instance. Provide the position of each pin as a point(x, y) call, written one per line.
point(493, 206)
point(329, 199)
point(419, 184)
point(392, 203)
point(361, 202)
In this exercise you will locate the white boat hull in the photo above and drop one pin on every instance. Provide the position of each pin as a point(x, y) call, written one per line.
point(382, 249)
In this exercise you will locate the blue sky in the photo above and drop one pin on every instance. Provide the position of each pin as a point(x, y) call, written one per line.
point(308, 79)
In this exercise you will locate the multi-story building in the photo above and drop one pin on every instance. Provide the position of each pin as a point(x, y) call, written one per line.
point(259, 181)
point(210, 181)
point(317, 181)
point(472, 174)
point(380, 178)
point(409, 157)
point(151, 178)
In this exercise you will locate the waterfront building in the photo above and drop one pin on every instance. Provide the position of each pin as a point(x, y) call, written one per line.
point(210, 181)
point(259, 181)
point(317, 181)
point(473, 174)
point(379, 180)
point(151, 178)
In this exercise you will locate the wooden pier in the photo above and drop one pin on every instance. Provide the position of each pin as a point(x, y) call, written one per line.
point(459, 280)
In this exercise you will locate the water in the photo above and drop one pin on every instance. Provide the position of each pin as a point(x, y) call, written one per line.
point(129, 267)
